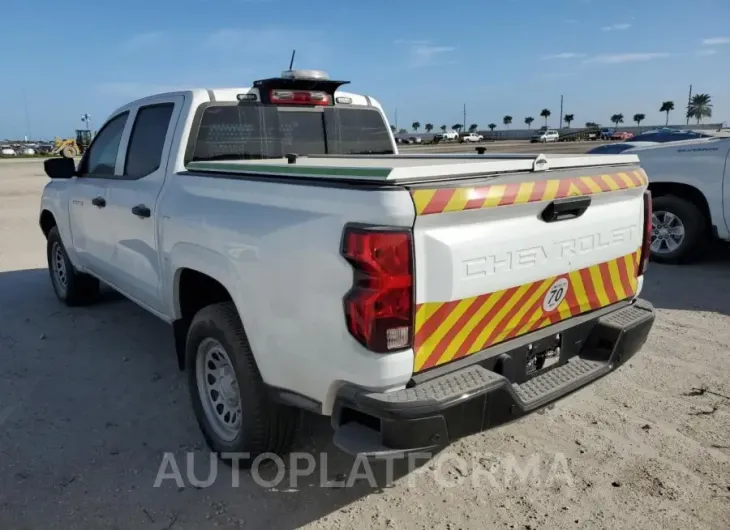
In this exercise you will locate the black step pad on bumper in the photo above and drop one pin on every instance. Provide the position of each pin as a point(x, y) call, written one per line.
point(474, 398)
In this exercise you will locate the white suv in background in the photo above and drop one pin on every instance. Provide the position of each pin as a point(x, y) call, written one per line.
point(545, 136)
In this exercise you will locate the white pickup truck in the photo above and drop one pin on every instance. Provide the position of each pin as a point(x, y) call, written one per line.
point(690, 185)
point(304, 264)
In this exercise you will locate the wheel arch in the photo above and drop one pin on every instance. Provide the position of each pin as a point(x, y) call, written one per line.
point(683, 191)
point(47, 221)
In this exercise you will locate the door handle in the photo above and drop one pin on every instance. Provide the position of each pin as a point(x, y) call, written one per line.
point(99, 202)
point(564, 209)
point(141, 211)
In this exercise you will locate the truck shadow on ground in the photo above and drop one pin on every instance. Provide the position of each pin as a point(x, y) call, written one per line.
point(91, 400)
point(94, 395)
point(700, 286)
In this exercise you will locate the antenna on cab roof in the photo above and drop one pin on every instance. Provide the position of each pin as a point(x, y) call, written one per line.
point(291, 62)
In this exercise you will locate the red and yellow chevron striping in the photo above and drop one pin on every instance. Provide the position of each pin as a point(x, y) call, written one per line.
point(446, 331)
point(430, 201)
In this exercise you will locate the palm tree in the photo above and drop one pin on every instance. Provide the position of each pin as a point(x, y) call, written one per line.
point(429, 127)
point(402, 131)
point(473, 127)
point(545, 113)
point(568, 118)
point(492, 126)
point(700, 107)
point(416, 125)
point(456, 127)
point(392, 128)
point(617, 118)
point(667, 106)
point(591, 125)
point(638, 118)
point(528, 121)
point(443, 128)
point(507, 120)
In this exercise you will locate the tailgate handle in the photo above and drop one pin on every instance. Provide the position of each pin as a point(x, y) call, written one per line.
point(568, 208)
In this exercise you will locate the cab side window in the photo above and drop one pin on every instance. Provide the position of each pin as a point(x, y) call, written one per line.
point(101, 158)
point(147, 141)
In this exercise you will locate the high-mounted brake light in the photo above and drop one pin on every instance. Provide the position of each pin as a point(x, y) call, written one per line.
point(379, 307)
point(646, 242)
point(299, 97)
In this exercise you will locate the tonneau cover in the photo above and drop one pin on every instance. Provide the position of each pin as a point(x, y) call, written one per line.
point(404, 169)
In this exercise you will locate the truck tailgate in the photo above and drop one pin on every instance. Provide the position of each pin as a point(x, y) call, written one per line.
point(492, 264)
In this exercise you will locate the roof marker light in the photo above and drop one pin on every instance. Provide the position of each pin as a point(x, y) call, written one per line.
point(343, 100)
point(305, 74)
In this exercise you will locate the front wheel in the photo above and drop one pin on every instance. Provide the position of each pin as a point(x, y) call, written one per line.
point(678, 230)
point(229, 397)
point(73, 288)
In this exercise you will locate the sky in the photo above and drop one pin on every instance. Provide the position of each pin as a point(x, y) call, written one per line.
point(422, 59)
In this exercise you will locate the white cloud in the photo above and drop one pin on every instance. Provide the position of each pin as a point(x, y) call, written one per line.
point(142, 41)
point(616, 27)
point(565, 55)
point(132, 90)
point(618, 58)
point(556, 75)
point(422, 53)
point(266, 39)
point(707, 51)
point(716, 40)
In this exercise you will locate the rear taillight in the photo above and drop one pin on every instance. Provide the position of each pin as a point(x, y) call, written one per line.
point(646, 243)
point(379, 307)
point(299, 97)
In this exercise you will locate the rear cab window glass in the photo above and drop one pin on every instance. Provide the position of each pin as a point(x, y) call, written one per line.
point(147, 140)
point(251, 132)
point(101, 157)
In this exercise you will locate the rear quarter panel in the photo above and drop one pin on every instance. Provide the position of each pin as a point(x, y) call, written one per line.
point(700, 164)
point(276, 248)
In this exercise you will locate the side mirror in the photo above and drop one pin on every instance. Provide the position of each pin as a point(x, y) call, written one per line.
point(60, 168)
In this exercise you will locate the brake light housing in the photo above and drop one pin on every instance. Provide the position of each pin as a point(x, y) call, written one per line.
point(379, 308)
point(299, 97)
point(646, 242)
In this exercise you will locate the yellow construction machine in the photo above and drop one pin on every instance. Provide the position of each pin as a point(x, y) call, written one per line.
point(72, 147)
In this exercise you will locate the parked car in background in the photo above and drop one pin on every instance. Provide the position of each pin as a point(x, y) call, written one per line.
point(669, 135)
point(472, 137)
point(450, 135)
point(606, 133)
point(549, 135)
point(7, 151)
point(621, 135)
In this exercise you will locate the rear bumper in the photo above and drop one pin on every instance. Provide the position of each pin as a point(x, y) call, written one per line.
point(434, 413)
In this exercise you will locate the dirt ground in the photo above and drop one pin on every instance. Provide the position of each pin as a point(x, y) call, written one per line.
point(91, 400)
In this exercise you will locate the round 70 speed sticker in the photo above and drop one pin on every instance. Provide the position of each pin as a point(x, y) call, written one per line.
point(555, 294)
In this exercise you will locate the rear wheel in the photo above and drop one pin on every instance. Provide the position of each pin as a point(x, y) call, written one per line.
point(229, 397)
point(73, 288)
point(678, 230)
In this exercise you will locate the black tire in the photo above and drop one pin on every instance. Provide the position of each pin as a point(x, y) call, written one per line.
point(78, 289)
point(695, 229)
point(266, 426)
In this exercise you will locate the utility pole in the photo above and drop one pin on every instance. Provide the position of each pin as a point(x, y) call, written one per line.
point(463, 125)
point(689, 100)
point(27, 117)
point(560, 123)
